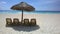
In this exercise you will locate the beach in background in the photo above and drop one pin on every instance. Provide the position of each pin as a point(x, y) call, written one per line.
point(48, 23)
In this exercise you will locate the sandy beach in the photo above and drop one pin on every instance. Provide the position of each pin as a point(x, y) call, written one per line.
point(47, 24)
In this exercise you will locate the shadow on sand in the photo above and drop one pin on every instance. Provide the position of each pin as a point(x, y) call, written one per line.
point(25, 28)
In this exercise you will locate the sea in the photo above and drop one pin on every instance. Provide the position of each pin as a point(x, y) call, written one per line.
point(28, 12)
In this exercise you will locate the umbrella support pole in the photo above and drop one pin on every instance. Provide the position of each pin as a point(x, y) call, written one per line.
point(22, 17)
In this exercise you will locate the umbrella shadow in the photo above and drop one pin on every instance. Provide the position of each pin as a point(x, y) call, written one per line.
point(25, 28)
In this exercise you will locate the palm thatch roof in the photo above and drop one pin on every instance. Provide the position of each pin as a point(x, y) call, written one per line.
point(23, 6)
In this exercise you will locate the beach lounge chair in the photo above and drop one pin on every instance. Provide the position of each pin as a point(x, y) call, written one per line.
point(33, 22)
point(15, 21)
point(26, 21)
point(8, 21)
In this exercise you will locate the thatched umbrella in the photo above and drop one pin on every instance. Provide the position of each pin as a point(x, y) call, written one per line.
point(23, 6)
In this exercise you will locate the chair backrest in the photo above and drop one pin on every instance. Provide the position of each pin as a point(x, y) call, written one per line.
point(26, 21)
point(33, 21)
point(8, 20)
point(15, 20)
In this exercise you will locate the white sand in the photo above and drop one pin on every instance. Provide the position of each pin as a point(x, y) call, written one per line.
point(48, 23)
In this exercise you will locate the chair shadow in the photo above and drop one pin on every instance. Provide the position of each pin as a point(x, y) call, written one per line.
point(25, 28)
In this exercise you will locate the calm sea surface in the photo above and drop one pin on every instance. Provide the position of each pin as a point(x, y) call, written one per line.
point(26, 12)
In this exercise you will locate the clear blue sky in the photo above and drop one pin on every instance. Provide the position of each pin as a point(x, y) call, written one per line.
point(38, 4)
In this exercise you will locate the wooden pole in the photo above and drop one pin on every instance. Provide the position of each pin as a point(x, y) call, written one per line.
point(22, 16)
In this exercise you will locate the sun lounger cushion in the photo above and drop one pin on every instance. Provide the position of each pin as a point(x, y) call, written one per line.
point(8, 21)
point(16, 21)
point(33, 22)
point(26, 21)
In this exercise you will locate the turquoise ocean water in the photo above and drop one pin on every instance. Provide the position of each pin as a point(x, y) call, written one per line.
point(32, 12)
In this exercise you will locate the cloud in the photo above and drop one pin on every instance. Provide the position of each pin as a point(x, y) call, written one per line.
point(47, 2)
point(49, 5)
point(2, 4)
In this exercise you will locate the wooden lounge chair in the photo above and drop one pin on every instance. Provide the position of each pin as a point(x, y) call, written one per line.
point(8, 21)
point(15, 21)
point(33, 22)
point(26, 21)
